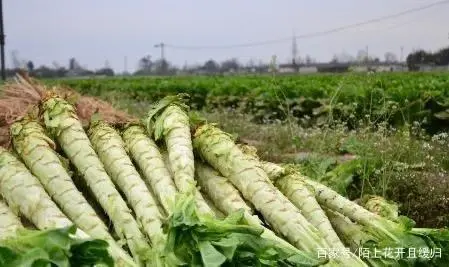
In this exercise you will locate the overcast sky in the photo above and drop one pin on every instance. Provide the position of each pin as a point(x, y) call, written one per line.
point(94, 31)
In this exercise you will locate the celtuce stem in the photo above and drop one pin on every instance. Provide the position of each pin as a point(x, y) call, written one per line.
point(36, 150)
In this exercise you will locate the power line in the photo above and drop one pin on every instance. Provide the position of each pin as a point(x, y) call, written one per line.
point(314, 34)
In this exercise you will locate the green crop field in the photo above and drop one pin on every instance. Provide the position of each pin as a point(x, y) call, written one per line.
point(397, 98)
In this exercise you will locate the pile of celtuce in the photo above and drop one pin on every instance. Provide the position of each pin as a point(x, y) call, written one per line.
point(171, 190)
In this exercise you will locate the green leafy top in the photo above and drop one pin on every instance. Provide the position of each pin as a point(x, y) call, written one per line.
point(55, 247)
point(201, 240)
point(54, 110)
point(438, 242)
point(381, 206)
point(158, 108)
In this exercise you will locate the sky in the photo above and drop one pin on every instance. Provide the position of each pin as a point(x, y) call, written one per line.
point(96, 31)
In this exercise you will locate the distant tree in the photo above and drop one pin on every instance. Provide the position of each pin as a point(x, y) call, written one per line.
point(230, 65)
point(30, 66)
point(105, 71)
point(73, 64)
point(211, 66)
point(162, 66)
point(418, 57)
point(61, 72)
point(45, 72)
point(422, 57)
point(145, 63)
point(442, 57)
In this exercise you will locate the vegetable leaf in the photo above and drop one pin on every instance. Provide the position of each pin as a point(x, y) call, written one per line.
point(55, 247)
point(201, 240)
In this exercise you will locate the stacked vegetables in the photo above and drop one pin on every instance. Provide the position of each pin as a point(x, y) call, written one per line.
point(179, 192)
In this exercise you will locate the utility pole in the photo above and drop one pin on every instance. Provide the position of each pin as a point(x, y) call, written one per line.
point(2, 43)
point(161, 46)
point(402, 53)
point(294, 52)
point(163, 62)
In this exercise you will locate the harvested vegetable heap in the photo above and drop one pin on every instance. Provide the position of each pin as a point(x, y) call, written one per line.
point(82, 186)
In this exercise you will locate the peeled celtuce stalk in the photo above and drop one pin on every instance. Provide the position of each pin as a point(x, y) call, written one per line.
point(110, 148)
point(355, 236)
point(169, 121)
point(227, 198)
point(37, 151)
point(295, 189)
point(9, 222)
point(200, 202)
point(150, 162)
point(23, 192)
point(220, 151)
point(61, 120)
point(297, 192)
point(223, 194)
point(334, 201)
point(351, 233)
point(273, 170)
point(291, 184)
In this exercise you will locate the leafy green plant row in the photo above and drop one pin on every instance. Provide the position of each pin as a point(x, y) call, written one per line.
point(394, 97)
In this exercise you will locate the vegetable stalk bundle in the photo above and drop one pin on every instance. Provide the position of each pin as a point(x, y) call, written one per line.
point(37, 151)
point(62, 122)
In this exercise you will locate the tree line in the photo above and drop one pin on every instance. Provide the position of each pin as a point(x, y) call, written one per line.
point(148, 66)
point(421, 57)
